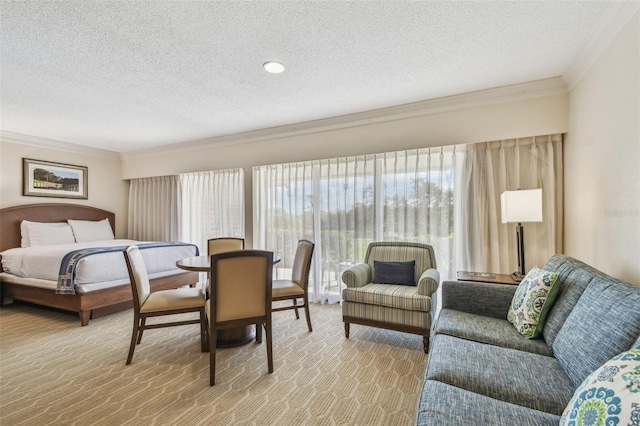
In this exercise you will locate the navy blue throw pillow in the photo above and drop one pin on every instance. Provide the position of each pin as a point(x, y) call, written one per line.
point(394, 272)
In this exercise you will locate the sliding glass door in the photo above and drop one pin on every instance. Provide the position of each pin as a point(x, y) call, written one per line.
point(344, 204)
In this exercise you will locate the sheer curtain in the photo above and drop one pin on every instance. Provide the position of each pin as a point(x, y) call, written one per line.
point(190, 207)
point(154, 209)
point(418, 200)
point(343, 204)
point(212, 205)
point(487, 170)
point(283, 212)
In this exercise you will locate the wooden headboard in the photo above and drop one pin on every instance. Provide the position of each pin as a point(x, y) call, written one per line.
point(11, 217)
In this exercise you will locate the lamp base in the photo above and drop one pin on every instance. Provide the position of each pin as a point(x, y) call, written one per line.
point(517, 276)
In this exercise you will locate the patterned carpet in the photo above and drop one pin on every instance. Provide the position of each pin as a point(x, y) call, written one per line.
point(54, 372)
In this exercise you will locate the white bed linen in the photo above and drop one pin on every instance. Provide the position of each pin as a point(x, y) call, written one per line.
point(80, 288)
point(43, 262)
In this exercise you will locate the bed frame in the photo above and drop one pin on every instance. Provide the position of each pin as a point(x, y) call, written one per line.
point(88, 305)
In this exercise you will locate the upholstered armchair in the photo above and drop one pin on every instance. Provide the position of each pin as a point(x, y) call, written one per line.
point(392, 295)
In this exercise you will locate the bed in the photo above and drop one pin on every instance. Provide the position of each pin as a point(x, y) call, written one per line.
point(92, 301)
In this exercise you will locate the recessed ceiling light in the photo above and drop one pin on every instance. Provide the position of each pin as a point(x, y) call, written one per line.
point(273, 67)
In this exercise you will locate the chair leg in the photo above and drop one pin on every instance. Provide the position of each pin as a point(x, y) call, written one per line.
point(134, 338)
point(425, 343)
point(206, 337)
point(306, 311)
point(141, 329)
point(213, 336)
point(203, 330)
point(258, 333)
point(295, 303)
point(269, 347)
point(346, 330)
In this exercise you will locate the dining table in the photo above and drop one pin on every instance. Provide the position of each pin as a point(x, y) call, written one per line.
point(230, 337)
point(203, 263)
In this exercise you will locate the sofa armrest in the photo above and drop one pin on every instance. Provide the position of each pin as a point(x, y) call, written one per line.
point(429, 281)
point(486, 299)
point(357, 275)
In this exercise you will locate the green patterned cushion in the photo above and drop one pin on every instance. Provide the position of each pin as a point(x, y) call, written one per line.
point(608, 396)
point(532, 301)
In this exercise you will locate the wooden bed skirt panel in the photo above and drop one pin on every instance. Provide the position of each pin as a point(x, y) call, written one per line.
point(84, 303)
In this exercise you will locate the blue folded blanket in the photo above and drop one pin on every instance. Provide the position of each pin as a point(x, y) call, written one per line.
point(67, 275)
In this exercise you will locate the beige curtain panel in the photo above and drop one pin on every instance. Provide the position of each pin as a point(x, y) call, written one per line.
point(153, 209)
point(487, 170)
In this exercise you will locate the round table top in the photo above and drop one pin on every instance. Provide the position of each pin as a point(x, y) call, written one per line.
point(203, 263)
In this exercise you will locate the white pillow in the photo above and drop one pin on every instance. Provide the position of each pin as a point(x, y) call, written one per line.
point(24, 230)
point(90, 230)
point(40, 235)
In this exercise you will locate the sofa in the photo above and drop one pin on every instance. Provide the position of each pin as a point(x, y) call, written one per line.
point(482, 371)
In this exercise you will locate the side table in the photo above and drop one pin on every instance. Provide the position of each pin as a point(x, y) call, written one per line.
point(486, 277)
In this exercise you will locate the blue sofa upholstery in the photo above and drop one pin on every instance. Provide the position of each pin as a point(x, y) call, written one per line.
point(445, 405)
point(481, 371)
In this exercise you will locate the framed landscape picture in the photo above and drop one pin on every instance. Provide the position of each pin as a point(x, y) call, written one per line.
point(47, 179)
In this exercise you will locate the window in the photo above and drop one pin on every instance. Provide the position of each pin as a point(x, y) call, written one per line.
point(343, 204)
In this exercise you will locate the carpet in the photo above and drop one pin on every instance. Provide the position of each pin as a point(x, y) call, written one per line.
point(54, 372)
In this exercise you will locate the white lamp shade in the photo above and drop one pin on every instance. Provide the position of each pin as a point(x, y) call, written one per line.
point(521, 206)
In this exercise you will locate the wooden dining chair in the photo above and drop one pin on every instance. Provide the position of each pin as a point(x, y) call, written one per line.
point(240, 296)
point(159, 303)
point(219, 245)
point(298, 286)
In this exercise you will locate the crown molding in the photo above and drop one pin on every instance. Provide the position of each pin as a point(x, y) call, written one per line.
point(600, 38)
point(511, 93)
point(22, 139)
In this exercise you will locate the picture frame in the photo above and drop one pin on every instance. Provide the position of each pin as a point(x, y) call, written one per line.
point(58, 180)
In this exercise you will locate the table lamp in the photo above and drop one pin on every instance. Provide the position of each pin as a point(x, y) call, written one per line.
point(518, 207)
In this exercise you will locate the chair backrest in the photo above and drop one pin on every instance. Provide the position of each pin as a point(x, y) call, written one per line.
point(241, 283)
point(391, 251)
point(220, 245)
point(302, 263)
point(137, 275)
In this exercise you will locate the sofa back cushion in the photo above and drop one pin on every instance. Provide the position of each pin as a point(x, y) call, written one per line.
point(604, 323)
point(573, 278)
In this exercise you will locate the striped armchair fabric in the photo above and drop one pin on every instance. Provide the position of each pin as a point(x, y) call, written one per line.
point(395, 307)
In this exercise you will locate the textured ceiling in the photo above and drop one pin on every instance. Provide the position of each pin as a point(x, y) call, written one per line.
point(127, 75)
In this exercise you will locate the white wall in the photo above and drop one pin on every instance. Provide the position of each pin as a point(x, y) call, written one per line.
point(106, 188)
point(602, 161)
point(504, 120)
